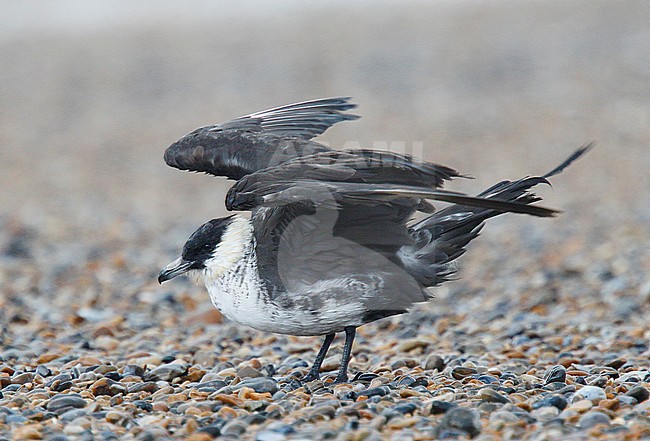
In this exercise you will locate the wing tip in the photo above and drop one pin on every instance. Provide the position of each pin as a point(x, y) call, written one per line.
point(574, 156)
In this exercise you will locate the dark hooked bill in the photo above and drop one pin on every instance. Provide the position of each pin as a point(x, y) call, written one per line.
point(176, 268)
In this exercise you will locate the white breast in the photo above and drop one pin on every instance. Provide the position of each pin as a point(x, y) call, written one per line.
point(239, 292)
point(241, 296)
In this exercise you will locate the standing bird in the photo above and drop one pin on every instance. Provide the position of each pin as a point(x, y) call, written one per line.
point(330, 244)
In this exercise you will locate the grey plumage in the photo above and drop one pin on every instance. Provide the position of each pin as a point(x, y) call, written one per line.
point(330, 244)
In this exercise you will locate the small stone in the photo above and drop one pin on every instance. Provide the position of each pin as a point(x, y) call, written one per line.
point(115, 417)
point(194, 375)
point(599, 381)
point(133, 370)
point(544, 414)
point(434, 362)
point(43, 371)
point(634, 376)
point(459, 421)
point(643, 407)
point(106, 342)
point(25, 377)
point(47, 357)
point(412, 343)
point(209, 316)
point(166, 372)
point(227, 413)
point(591, 393)
point(160, 406)
point(60, 402)
point(211, 376)
point(502, 416)
point(26, 432)
point(249, 372)
point(6, 369)
point(460, 372)
point(106, 386)
point(557, 401)
point(61, 386)
point(400, 423)
point(191, 426)
point(570, 388)
point(212, 431)
point(270, 435)
point(259, 385)
point(233, 428)
point(71, 414)
point(610, 404)
point(581, 406)
point(173, 398)
point(557, 374)
point(624, 399)
point(405, 408)
point(438, 407)
point(210, 386)
point(406, 381)
point(227, 399)
point(491, 396)
point(74, 430)
point(190, 410)
point(593, 418)
point(325, 411)
point(375, 391)
point(88, 361)
point(639, 393)
point(487, 379)
point(162, 392)
point(147, 386)
point(144, 405)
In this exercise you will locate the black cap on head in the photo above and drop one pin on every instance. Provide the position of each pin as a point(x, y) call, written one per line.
point(201, 244)
point(198, 248)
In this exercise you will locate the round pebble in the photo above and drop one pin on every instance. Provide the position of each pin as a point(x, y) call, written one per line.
point(492, 396)
point(590, 393)
point(459, 421)
point(593, 418)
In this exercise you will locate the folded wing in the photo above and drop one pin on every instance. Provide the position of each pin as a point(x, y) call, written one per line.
point(366, 178)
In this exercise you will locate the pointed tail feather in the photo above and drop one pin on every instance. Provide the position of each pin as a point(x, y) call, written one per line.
point(442, 237)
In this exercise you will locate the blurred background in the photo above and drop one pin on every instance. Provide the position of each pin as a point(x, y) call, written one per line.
point(91, 94)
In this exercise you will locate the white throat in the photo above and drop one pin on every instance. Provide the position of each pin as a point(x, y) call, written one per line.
point(234, 241)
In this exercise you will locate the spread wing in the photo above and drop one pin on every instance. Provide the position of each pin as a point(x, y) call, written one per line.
point(304, 120)
point(259, 140)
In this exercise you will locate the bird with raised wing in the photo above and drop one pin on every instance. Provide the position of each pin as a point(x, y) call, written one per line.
point(331, 243)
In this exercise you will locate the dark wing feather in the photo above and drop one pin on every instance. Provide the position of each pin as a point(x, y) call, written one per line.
point(260, 140)
point(317, 193)
point(301, 120)
point(442, 237)
point(328, 168)
point(369, 166)
point(303, 249)
point(362, 179)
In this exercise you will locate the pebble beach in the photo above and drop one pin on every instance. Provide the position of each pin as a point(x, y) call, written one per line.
point(543, 336)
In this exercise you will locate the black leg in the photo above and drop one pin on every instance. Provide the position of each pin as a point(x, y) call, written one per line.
point(314, 372)
point(342, 377)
